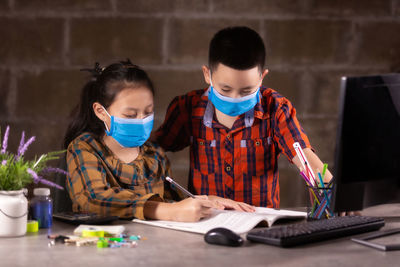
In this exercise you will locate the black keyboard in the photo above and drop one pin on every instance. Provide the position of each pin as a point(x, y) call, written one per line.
point(313, 231)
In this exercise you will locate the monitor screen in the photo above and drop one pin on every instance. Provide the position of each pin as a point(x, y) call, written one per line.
point(367, 156)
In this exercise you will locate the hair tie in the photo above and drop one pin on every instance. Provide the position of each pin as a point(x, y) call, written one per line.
point(96, 71)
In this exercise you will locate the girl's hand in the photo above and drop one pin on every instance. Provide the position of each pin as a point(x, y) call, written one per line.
point(193, 209)
point(231, 204)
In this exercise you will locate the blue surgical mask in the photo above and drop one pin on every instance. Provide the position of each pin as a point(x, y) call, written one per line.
point(233, 106)
point(130, 132)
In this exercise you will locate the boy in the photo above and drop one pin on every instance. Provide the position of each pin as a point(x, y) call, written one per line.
point(236, 129)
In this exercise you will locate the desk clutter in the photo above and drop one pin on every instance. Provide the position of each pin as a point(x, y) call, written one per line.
point(99, 236)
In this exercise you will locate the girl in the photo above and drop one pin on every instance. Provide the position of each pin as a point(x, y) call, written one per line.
point(113, 170)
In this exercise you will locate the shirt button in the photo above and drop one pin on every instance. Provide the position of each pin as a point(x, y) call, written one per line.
point(228, 136)
point(257, 143)
point(228, 168)
point(201, 143)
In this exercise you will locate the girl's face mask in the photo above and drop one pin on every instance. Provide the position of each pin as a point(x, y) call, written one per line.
point(130, 132)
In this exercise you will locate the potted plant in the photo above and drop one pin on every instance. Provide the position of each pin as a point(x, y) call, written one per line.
point(16, 173)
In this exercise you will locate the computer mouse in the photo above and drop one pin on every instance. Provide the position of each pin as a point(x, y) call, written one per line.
point(224, 237)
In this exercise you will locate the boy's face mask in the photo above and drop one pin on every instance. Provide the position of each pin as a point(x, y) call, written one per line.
point(233, 106)
point(130, 132)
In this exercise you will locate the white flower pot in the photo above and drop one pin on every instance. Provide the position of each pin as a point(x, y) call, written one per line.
point(13, 213)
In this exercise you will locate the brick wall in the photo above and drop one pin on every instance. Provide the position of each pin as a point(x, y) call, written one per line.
point(310, 45)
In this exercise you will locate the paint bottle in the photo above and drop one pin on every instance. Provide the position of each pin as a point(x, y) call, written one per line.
point(42, 207)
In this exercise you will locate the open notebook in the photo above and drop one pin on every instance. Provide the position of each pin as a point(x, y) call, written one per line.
point(238, 222)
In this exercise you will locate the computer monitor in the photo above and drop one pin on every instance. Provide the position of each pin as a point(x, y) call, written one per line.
point(367, 155)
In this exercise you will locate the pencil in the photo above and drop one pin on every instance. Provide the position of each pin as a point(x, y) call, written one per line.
point(187, 193)
point(324, 170)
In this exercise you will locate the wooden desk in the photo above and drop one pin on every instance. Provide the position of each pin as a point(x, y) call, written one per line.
point(165, 247)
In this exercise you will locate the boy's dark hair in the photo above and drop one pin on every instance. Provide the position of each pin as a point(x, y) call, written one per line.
point(104, 86)
point(239, 48)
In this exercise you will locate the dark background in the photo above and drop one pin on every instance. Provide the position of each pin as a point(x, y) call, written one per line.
point(310, 45)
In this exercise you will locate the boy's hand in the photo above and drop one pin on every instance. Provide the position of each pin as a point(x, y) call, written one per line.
point(231, 204)
point(350, 213)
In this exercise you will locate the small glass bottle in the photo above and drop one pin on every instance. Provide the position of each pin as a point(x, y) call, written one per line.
point(42, 207)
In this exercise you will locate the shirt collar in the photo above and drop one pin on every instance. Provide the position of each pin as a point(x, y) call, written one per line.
point(256, 112)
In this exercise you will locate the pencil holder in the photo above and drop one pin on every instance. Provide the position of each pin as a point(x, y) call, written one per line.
point(320, 202)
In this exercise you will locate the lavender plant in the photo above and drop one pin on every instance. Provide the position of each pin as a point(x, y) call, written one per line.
point(16, 172)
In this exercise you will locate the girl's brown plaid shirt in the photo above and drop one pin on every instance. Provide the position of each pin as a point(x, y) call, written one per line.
point(101, 183)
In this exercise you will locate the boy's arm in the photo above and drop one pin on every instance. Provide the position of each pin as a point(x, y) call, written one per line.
point(174, 134)
point(288, 131)
point(315, 162)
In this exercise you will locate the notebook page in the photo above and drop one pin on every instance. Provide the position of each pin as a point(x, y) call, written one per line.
point(274, 214)
point(238, 222)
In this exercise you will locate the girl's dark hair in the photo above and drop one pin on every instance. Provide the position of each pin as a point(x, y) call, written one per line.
point(104, 86)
